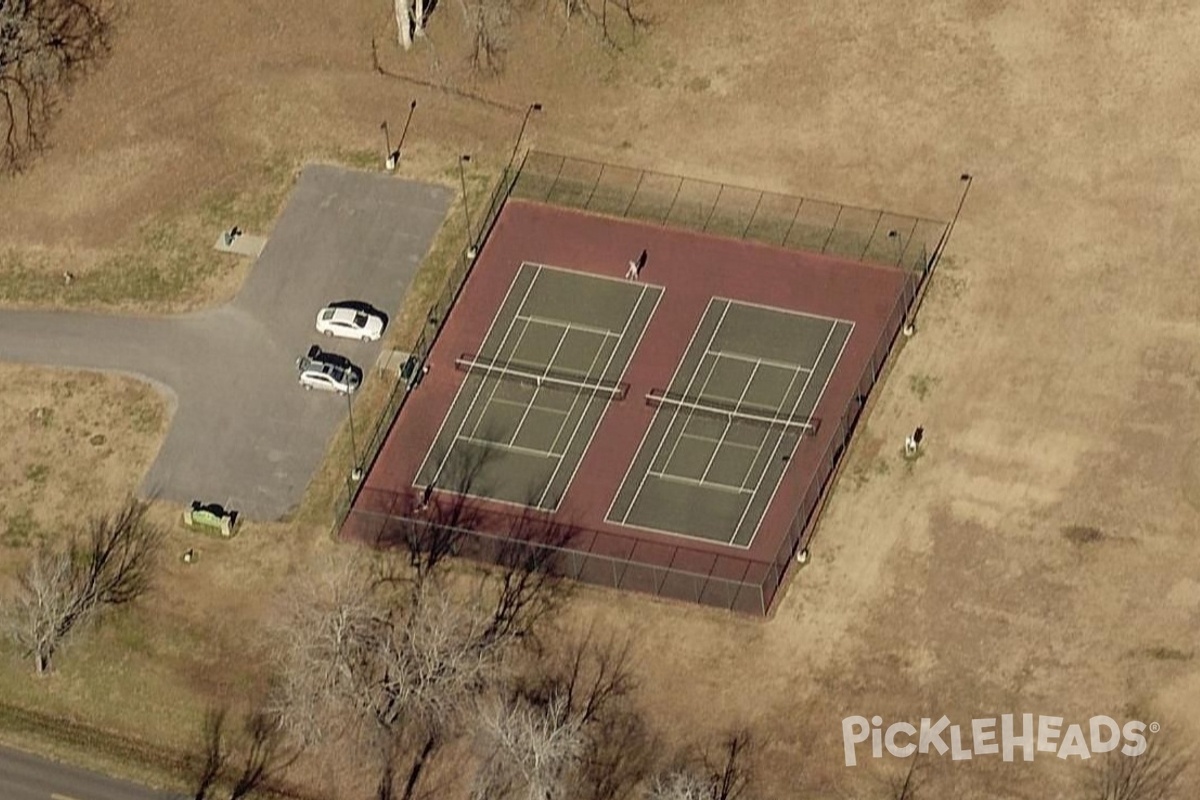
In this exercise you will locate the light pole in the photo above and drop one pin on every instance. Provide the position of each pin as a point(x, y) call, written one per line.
point(462, 177)
point(356, 470)
point(899, 245)
point(532, 108)
point(411, 108)
point(910, 326)
point(387, 138)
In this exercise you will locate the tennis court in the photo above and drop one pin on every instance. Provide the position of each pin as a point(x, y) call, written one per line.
point(553, 359)
point(738, 406)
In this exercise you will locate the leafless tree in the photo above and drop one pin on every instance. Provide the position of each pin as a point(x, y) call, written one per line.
point(532, 750)
point(245, 763)
point(570, 729)
point(44, 44)
point(596, 13)
point(111, 564)
point(375, 661)
point(1153, 775)
point(724, 775)
point(487, 23)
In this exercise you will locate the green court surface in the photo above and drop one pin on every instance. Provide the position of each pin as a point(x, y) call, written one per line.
point(737, 408)
point(534, 394)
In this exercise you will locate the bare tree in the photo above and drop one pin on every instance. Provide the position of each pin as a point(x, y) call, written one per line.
point(388, 666)
point(44, 44)
point(596, 12)
point(111, 564)
point(570, 729)
point(246, 763)
point(1153, 775)
point(724, 775)
point(527, 585)
point(532, 750)
point(487, 23)
point(214, 755)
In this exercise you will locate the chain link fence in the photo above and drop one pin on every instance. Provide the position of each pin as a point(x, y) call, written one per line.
point(790, 221)
point(413, 368)
point(683, 572)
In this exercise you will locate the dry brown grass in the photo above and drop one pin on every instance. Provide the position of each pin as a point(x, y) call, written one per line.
point(1055, 370)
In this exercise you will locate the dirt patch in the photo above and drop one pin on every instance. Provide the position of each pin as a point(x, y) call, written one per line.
point(69, 440)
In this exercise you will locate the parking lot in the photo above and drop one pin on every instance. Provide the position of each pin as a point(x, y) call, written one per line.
point(243, 432)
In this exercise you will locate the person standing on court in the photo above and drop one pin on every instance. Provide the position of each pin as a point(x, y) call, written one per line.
point(635, 267)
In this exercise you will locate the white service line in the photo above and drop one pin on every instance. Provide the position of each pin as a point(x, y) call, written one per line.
point(479, 388)
point(717, 487)
point(538, 389)
point(729, 423)
point(799, 438)
point(463, 385)
point(650, 427)
point(612, 355)
point(691, 380)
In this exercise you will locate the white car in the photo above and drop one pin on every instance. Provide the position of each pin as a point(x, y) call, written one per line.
point(321, 370)
point(350, 323)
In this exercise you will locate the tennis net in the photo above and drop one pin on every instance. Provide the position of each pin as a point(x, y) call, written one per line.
point(726, 409)
point(534, 375)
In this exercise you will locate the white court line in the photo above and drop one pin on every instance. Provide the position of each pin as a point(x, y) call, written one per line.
point(609, 278)
point(770, 362)
point(516, 448)
point(624, 331)
point(579, 395)
point(479, 389)
point(497, 381)
point(538, 389)
point(779, 438)
point(570, 326)
point(691, 412)
point(674, 415)
point(710, 440)
point(816, 404)
point(463, 385)
point(789, 312)
point(718, 487)
point(782, 433)
point(646, 435)
point(729, 424)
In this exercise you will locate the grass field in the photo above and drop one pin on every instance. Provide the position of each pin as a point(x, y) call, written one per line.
point(1040, 556)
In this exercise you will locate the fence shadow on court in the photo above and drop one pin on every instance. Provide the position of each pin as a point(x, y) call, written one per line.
point(721, 209)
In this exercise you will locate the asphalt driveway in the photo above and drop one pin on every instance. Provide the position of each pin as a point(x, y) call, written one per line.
point(243, 432)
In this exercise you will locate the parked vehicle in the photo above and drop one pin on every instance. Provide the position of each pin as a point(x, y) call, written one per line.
point(213, 517)
point(329, 371)
point(350, 322)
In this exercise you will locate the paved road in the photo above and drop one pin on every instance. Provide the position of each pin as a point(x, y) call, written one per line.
point(243, 433)
point(27, 777)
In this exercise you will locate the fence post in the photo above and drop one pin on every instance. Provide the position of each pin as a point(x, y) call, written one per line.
point(587, 206)
point(832, 228)
point(753, 214)
point(671, 207)
point(795, 217)
point(713, 210)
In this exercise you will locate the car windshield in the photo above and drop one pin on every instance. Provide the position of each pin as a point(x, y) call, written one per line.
point(327, 314)
point(360, 319)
